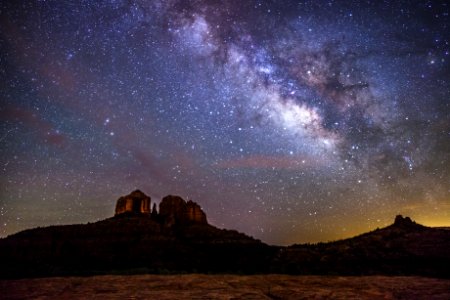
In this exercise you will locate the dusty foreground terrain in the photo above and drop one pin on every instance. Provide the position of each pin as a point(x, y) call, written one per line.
point(226, 287)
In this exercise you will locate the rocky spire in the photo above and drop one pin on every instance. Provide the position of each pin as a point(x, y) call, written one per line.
point(154, 211)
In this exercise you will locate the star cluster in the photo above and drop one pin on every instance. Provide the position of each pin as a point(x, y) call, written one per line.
point(292, 121)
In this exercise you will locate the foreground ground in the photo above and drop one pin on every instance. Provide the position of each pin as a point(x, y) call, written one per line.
point(226, 287)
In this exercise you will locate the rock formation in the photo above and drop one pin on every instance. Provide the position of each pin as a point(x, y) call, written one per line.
point(172, 207)
point(154, 211)
point(173, 210)
point(403, 221)
point(137, 202)
point(194, 213)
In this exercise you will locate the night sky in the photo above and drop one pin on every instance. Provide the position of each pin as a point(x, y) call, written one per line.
point(291, 121)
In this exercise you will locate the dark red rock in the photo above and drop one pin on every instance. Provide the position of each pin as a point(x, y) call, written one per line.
point(175, 210)
point(137, 202)
point(194, 213)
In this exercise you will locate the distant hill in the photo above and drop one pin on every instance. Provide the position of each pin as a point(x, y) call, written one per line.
point(403, 248)
point(178, 239)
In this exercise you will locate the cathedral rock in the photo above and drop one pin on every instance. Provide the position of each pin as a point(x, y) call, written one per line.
point(172, 209)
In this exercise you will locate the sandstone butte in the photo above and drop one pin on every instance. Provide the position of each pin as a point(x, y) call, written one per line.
point(172, 209)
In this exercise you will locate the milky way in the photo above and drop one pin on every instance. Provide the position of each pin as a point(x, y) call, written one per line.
point(291, 121)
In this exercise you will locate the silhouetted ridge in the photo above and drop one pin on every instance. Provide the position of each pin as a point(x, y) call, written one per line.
point(177, 238)
point(403, 248)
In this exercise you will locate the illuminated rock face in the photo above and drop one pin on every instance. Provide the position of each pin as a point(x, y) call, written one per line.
point(194, 213)
point(172, 209)
point(136, 202)
point(175, 210)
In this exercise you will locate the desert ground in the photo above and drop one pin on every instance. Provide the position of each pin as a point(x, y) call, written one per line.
point(197, 286)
